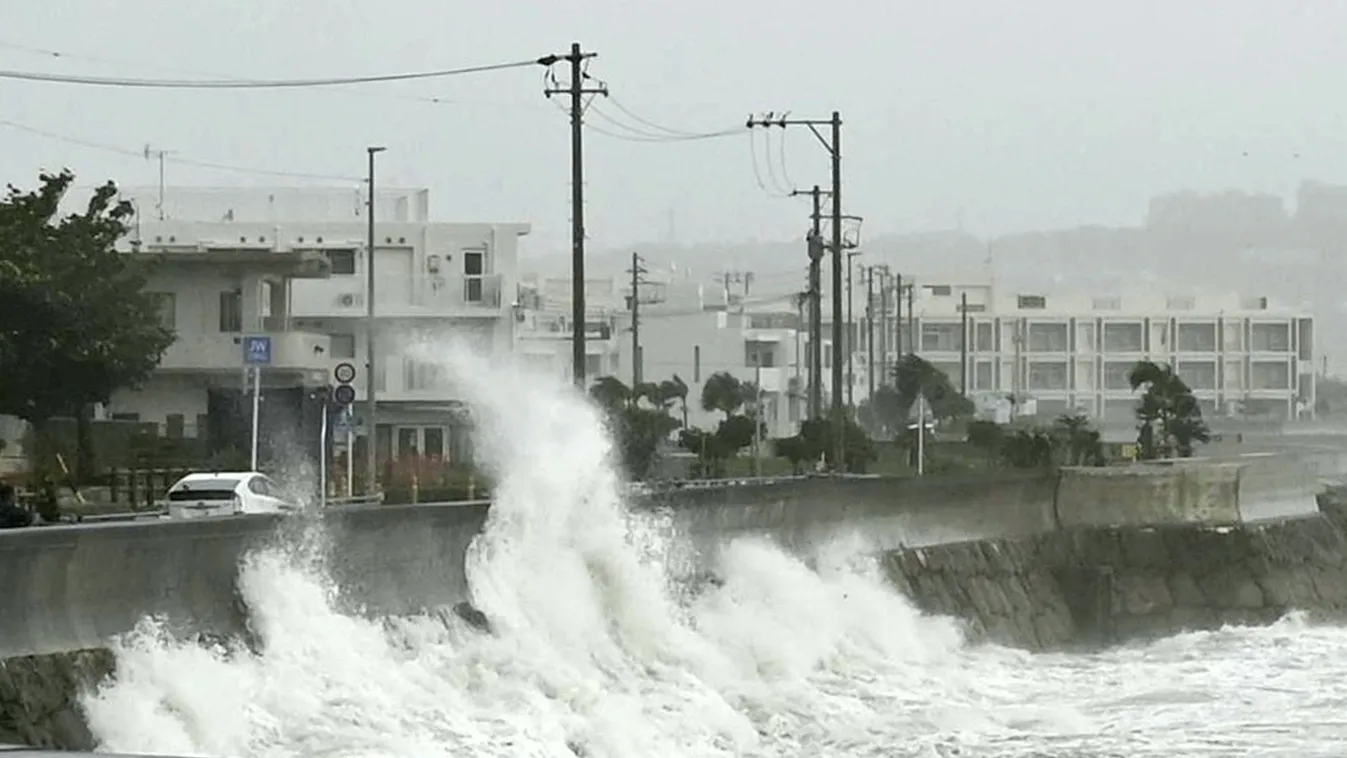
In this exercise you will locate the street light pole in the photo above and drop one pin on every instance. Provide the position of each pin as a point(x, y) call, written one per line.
point(371, 409)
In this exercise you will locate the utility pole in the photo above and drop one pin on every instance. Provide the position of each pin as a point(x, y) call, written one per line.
point(850, 340)
point(815, 240)
point(577, 91)
point(637, 272)
point(870, 328)
point(911, 319)
point(372, 412)
point(963, 344)
point(898, 315)
point(833, 145)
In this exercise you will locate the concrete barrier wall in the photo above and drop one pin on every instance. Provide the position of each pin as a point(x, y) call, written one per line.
point(1277, 487)
point(1148, 495)
point(74, 587)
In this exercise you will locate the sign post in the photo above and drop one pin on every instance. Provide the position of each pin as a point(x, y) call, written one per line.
point(343, 395)
point(256, 354)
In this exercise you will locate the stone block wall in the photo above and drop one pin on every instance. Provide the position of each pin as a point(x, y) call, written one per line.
point(1099, 586)
point(38, 698)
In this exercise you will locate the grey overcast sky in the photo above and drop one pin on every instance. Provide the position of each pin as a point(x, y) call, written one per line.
point(1009, 115)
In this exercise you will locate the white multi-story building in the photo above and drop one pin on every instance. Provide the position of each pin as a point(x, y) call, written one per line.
point(758, 342)
point(1242, 356)
point(238, 258)
point(545, 326)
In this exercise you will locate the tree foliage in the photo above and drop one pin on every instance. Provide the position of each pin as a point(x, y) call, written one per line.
point(75, 321)
point(1071, 440)
point(723, 392)
point(637, 428)
point(1169, 418)
point(889, 411)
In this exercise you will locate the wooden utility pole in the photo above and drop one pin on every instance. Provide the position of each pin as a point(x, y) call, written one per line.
point(637, 272)
point(963, 344)
point(577, 91)
point(870, 329)
point(833, 144)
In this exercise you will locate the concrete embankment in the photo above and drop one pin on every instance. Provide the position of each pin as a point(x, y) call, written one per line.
point(1103, 585)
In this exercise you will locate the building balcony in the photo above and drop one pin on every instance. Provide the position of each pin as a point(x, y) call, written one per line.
point(290, 351)
point(401, 296)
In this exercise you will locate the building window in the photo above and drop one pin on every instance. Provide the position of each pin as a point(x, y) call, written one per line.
point(1269, 375)
point(1197, 338)
point(1122, 338)
point(1117, 375)
point(474, 266)
point(1199, 375)
point(982, 375)
point(343, 262)
point(1183, 303)
point(1270, 338)
point(424, 376)
point(1107, 303)
point(1047, 375)
point(1032, 302)
point(759, 354)
point(942, 337)
point(174, 424)
point(1254, 304)
point(343, 346)
point(939, 290)
point(1049, 338)
point(986, 339)
point(231, 311)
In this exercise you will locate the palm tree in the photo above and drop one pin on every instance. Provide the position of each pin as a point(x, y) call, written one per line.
point(1168, 414)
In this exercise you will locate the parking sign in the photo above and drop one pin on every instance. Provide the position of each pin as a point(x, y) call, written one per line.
point(257, 351)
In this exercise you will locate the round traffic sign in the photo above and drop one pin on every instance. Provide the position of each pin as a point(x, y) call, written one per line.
point(344, 373)
point(343, 394)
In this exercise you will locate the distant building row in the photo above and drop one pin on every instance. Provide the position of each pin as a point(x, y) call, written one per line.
point(302, 283)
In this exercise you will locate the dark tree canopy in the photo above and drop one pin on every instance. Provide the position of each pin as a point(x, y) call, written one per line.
point(75, 321)
point(1169, 418)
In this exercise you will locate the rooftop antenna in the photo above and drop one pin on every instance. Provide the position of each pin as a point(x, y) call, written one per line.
point(160, 155)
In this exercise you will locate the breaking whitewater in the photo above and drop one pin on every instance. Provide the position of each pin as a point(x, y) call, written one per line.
point(596, 651)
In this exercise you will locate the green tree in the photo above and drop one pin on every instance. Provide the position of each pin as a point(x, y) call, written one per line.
point(913, 376)
point(638, 429)
point(1076, 441)
point(75, 321)
point(1168, 415)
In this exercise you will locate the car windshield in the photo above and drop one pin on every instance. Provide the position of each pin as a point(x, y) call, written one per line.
point(204, 489)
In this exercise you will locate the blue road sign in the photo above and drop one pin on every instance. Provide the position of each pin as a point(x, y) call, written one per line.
point(257, 351)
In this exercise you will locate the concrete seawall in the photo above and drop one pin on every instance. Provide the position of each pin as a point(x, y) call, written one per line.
point(1105, 585)
point(1213, 492)
point(74, 588)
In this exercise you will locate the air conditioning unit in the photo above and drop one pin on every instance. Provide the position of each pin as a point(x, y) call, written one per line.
point(348, 299)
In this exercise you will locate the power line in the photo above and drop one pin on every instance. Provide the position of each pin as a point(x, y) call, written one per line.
point(141, 154)
point(63, 55)
point(110, 81)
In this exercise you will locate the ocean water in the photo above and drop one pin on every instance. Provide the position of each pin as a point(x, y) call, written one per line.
point(595, 652)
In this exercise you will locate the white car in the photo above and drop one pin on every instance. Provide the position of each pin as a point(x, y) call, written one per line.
point(226, 494)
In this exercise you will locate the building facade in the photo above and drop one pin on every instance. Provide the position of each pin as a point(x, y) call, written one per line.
point(759, 343)
point(1242, 356)
point(545, 327)
point(292, 265)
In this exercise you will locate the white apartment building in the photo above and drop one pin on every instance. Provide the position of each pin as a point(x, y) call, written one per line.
point(758, 342)
point(545, 326)
point(1243, 356)
point(240, 262)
